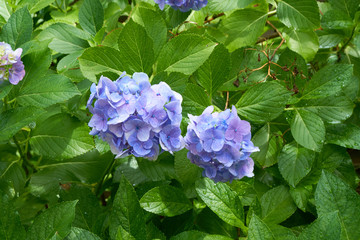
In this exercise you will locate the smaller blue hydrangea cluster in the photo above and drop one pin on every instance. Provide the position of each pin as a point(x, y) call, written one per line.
point(135, 117)
point(220, 143)
point(182, 5)
point(11, 66)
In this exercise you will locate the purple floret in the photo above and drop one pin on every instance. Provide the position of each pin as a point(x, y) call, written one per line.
point(182, 5)
point(12, 68)
point(220, 143)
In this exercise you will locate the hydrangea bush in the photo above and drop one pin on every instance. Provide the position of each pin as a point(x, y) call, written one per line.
point(179, 119)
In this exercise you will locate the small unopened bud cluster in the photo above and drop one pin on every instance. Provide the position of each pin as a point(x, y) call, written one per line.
point(135, 117)
point(11, 66)
point(182, 5)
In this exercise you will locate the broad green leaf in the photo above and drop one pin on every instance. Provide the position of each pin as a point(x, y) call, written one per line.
point(152, 232)
point(177, 81)
point(301, 196)
point(328, 81)
point(64, 38)
point(282, 233)
point(88, 168)
point(335, 19)
point(91, 16)
point(185, 54)
point(5, 88)
point(308, 129)
point(127, 212)
point(302, 15)
point(111, 39)
point(13, 120)
point(165, 201)
point(243, 28)
point(88, 211)
point(332, 194)
point(329, 40)
point(136, 49)
point(345, 135)
point(221, 200)
point(123, 235)
point(330, 109)
point(130, 169)
point(295, 163)
point(61, 136)
point(270, 143)
point(36, 5)
point(154, 25)
point(347, 6)
point(97, 60)
point(47, 91)
point(55, 220)
point(305, 43)
point(196, 235)
point(195, 100)
point(10, 225)
point(187, 173)
point(263, 102)
point(215, 71)
point(259, 230)
point(325, 227)
point(11, 171)
point(18, 29)
point(162, 169)
point(81, 234)
point(69, 62)
point(4, 10)
point(277, 205)
point(218, 6)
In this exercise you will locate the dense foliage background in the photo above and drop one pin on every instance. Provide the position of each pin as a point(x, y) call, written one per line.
point(291, 67)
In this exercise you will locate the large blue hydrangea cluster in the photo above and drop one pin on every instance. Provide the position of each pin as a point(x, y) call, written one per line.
point(135, 117)
point(11, 66)
point(182, 5)
point(220, 143)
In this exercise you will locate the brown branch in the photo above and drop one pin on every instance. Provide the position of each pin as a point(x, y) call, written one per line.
point(227, 100)
point(282, 39)
point(214, 17)
point(270, 34)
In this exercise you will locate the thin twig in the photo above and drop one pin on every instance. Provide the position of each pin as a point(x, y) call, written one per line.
point(227, 100)
point(214, 17)
point(282, 38)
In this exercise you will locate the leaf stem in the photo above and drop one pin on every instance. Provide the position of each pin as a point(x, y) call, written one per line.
point(107, 171)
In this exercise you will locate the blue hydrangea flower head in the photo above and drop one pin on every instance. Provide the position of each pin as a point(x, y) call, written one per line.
point(11, 66)
point(135, 117)
point(221, 144)
point(182, 5)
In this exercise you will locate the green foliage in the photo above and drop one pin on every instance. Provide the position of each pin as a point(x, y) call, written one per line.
point(291, 68)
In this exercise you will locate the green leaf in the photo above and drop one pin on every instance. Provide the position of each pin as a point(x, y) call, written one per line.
point(12, 172)
point(295, 163)
point(162, 169)
point(127, 212)
point(304, 43)
point(301, 196)
point(335, 19)
point(215, 71)
point(221, 200)
point(259, 230)
point(123, 235)
point(177, 81)
point(36, 5)
point(329, 40)
point(196, 235)
point(91, 16)
point(345, 135)
point(195, 100)
point(88, 211)
point(154, 25)
point(270, 143)
point(165, 201)
point(243, 28)
point(55, 220)
point(308, 129)
point(47, 91)
point(136, 49)
point(97, 60)
point(277, 205)
point(218, 6)
point(187, 173)
point(347, 6)
point(325, 227)
point(61, 136)
point(10, 225)
point(18, 29)
point(4, 10)
point(64, 38)
point(13, 120)
point(80, 234)
point(328, 81)
point(263, 102)
point(330, 109)
point(332, 194)
point(88, 168)
point(303, 15)
point(68, 62)
point(5, 88)
point(185, 54)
